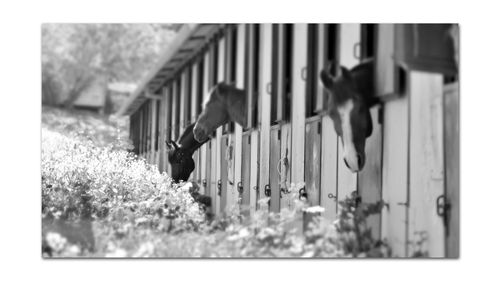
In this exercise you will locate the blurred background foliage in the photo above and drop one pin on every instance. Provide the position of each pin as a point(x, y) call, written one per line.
point(74, 56)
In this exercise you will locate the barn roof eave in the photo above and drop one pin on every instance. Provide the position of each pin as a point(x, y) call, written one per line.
point(168, 58)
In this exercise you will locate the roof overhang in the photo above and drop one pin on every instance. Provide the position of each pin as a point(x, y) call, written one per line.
point(190, 39)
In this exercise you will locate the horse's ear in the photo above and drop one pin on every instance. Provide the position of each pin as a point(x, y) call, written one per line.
point(326, 79)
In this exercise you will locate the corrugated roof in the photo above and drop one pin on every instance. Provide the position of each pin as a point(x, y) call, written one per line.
point(187, 44)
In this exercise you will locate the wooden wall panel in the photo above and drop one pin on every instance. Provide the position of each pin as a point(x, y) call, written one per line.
point(224, 171)
point(274, 177)
point(254, 169)
point(298, 112)
point(385, 67)
point(370, 178)
point(244, 196)
point(285, 171)
point(395, 175)
point(313, 161)
point(426, 160)
point(238, 130)
point(218, 135)
point(452, 163)
point(350, 38)
point(329, 158)
point(265, 107)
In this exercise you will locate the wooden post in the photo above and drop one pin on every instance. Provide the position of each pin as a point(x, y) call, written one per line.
point(426, 161)
point(194, 115)
point(154, 111)
point(265, 106)
point(218, 156)
point(350, 53)
point(452, 165)
point(298, 113)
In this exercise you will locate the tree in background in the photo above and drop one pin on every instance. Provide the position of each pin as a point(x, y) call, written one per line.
point(74, 55)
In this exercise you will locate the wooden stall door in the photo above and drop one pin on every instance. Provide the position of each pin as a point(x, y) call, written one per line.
point(426, 163)
point(313, 161)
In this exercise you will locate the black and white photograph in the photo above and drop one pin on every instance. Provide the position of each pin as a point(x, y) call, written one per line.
point(250, 140)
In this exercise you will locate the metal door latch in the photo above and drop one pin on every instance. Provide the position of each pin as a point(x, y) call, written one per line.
point(267, 190)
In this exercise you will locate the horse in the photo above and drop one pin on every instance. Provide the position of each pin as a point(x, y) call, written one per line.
point(350, 96)
point(225, 103)
point(180, 154)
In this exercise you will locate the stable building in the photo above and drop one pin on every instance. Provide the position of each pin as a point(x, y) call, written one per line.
point(412, 155)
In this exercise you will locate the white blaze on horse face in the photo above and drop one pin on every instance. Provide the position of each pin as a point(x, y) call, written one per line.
point(350, 154)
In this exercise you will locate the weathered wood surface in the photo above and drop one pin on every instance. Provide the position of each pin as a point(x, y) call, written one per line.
point(265, 107)
point(328, 197)
point(452, 163)
point(313, 161)
point(298, 111)
point(274, 177)
point(426, 161)
point(395, 174)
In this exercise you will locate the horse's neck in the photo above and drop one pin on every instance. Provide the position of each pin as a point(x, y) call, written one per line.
point(187, 141)
point(234, 100)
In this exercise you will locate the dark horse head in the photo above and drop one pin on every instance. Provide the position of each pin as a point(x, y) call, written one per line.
point(180, 155)
point(351, 94)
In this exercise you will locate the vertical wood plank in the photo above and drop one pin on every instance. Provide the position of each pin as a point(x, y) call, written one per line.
point(313, 162)
point(182, 107)
point(299, 64)
point(194, 92)
point(395, 175)
point(174, 110)
point(161, 131)
point(370, 178)
point(218, 158)
point(350, 37)
point(284, 174)
point(328, 168)
point(245, 174)
point(224, 172)
point(238, 130)
point(167, 96)
point(452, 166)
point(265, 106)
point(254, 169)
point(153, 131)
point(426, 160)
point(274, 177)
point(385, 69)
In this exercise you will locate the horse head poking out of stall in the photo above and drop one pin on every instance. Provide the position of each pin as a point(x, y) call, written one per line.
point(351, 94)
point(180, 154)
point(225, 103)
